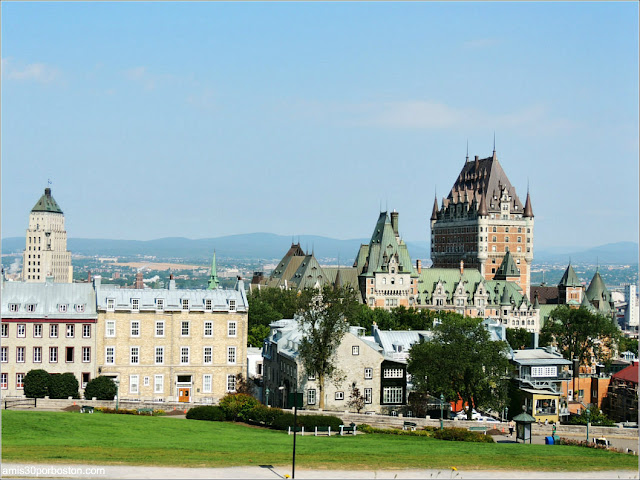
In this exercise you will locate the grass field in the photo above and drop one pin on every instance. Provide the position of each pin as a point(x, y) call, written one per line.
point(65, 437)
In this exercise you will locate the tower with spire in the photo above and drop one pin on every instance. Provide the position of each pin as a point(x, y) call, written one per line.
point(45, 254)
point(481, 220)
point(213, 278)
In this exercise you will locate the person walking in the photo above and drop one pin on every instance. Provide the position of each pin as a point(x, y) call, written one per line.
point(511, 427)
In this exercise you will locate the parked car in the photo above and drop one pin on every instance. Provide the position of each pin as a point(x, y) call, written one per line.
point(487, 420)
point(462, 415)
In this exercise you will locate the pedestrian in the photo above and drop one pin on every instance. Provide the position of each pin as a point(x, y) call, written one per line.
point(511, 427)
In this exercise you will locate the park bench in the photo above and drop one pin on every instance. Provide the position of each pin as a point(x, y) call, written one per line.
point(297, 429)
point(478, 429)
point(409, 426)
point(86, 409)
point(351, 429)
point(319, 430)
point(146, 410)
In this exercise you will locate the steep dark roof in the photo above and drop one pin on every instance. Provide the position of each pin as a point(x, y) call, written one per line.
point(528, 211)
point(507, 268)
point(46, 203)
point(434, 213)
point(545, 295)
point(569, 279)
point(598, 292)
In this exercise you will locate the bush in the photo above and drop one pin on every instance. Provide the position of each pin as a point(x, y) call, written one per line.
point(238, 405)
point(264, 415)
point(63, 385)
point(103, 388)
point(462, 435)
point(284, 421)
point(596, 418)
point(207, 412)
point(36, 384)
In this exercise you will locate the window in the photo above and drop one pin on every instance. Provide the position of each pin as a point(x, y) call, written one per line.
point(110, 328)
point(31, 307)
point(231, 383)
point(493, 248)
point(62, 308)
point(111, 303)
point(494, 229)
point(22, 330)
point(231, 354)
point(311, 397)
point(368, 395)
point(184, 331)
point(110, 355)
point(232, 305)
point(134, 383)
point(312, 377)
point(135, 304)
point(160, 328)
point(368, 373)
point(160, 304)
point(146, 381)
point(37, 330)
point(13, 307)
point(519, 239)
point(208, 355)
point(339, 395)
point(158, 384)
point(69, 354)
point(355, 350)
point(37, 354)
point(393, 373)
point(135, 355)
point(86, 354)
point(53, 354)
point(392, 395)
point(135, 328)
point(85, 379)
point(159, 355)
point(506, 239)
point(185, 304)
point(544, 371)
point(206, 383)
point(231, 329)
point(207, 304)
point(86, 331)
point(19, 380)
point(208, 329)
point(20, 354)
point(71, 330)
point(4, 354)
point(5, 329)
point(184, 355)
point(494, 239)
point(80, 308)
point(4, 381)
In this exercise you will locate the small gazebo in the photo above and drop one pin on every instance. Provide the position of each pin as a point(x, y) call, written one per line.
point(523, 426)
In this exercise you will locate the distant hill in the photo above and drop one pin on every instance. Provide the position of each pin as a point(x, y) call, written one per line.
point(269, 246)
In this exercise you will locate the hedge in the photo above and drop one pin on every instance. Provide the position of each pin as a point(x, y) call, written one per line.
point(207, 412)
point(102, 388)
point(237, 406)
point(462, 435)
point(284, 421)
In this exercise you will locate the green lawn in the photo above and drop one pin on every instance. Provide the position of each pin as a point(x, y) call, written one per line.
point(50, 437)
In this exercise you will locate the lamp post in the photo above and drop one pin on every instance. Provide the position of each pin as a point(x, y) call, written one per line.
point(117, 382)
point(506, 414)
point(267, 391)
point(588, 412)
point(441, 407)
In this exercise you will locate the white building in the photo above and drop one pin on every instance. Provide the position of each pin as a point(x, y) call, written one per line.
point(631, 313)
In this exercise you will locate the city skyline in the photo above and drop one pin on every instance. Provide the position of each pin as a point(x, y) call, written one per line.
point(202, 120)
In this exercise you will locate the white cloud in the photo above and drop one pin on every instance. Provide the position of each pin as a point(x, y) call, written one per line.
point(37, 72)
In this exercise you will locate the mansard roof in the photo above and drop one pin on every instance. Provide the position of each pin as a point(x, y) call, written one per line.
point(46, 298)
point(569, 279)
point(507, 268)
point(46, 203)
point(450, 278)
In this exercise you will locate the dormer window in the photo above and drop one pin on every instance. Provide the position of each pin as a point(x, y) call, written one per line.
point(232, 305)
point(62, 307)
point(31, 307)
point(14, 307)
point(185, 304)
point(160, 304)
point(207, 304)
point(111, 303)
point(135, 304)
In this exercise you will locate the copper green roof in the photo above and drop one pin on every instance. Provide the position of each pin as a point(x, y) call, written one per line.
point(46, 203)
point(450, 277)
point(507, 268)
point(569, 279)
point(597, 292)
point(213, 278)
point(524, 417)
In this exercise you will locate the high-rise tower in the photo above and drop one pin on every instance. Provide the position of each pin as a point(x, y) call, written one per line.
point(480, 220)
point(45, 252)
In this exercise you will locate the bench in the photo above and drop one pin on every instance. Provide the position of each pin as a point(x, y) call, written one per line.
point(478, 429)
point(297, 429)
point(86, 409)
point(351, 429)
point(326, 430)
point(146, 410)
point(409, 425)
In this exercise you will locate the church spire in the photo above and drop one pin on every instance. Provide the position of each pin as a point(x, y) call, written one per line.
point(434, 213)
point(213, 278)
point(528, 211)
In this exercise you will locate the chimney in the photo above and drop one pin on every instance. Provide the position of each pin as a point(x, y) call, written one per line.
point(535, 340)
point(89, 277)
point(419, 266)
point(139, 285)
point(49, 280)
point(476, 158)
point(394, 222)
point(172, 282)
point(461, 267)
point(97, 280)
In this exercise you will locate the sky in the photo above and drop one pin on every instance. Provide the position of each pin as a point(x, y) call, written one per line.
point(203, 119)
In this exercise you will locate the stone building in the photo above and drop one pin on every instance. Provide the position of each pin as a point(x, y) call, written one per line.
point(171, 344)
point(49, 326)
point(45, 252)
point(481, 220)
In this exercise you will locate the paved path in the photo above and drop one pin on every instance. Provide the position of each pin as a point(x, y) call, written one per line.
point(12, 470)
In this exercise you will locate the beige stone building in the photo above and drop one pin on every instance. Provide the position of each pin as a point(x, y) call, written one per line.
point(171, 344)
point(48, 326)
point(45, 252)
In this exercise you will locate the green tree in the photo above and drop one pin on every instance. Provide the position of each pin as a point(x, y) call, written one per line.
point(518, 338)
point(626, 344)
point(102, 388)
point(266, 306)
point(257, 334)
point(460, 361)
point(63, 385)
point(356, 400)
point(580, 334)
point(323, 319)
point(36, 384)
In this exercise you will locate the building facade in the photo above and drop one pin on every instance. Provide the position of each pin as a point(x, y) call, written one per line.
point(48, 326)
point(480, 220)
point(171, 344)
point(45, 252)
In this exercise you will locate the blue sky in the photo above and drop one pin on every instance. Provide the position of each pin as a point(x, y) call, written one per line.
point(208, 119)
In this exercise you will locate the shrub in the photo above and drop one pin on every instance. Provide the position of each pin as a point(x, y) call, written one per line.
point(238, 405)
point(284, 421)
point(103, 388)
point(207, 412)
point(596, 418)
point(364, 428)
point(63, 385)
point(129, 411)
point(264, 415)
point(462, 435)
point(36, 384)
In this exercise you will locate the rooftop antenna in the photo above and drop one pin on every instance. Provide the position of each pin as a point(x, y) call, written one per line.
point(49, 181)
point(494, 142)
point(467, 159)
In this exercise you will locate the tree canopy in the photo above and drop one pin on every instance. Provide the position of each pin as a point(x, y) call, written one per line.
point(461, 362)
point(518, 338)
point(581, 334)
point(268, 305)
point(400, 318)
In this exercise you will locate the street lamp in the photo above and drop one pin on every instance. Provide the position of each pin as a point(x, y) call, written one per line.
point(441, 406)
point(588, 412)
point(506, 414)
point(267, 391)
point(117, 382)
